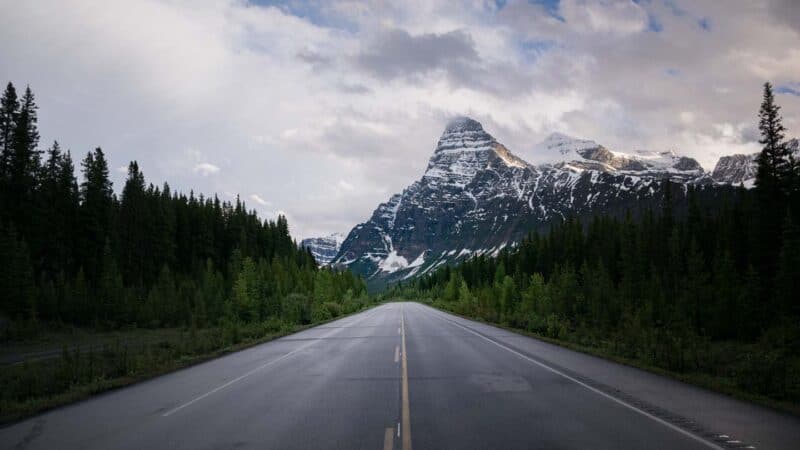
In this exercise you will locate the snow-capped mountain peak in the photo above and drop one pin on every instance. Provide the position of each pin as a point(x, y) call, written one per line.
point(559, 147)
point(462, 124)
point(463, 150)
point(477, 198)
point(561, 150)
point(325, 248)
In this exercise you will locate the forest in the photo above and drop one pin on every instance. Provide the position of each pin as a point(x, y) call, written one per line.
point(706, 289)
point(76, 253)
point(78, 257)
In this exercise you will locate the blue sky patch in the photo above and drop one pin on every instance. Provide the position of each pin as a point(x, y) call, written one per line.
point(789, 88)
point(533, 49)
point(674, 8)
point(550, 6)
point(653, 24)
point(311, 11)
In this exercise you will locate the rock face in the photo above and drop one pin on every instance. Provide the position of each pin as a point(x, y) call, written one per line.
point(476, 197)
point(735, 169)
point(741, 169)
point(324, 249)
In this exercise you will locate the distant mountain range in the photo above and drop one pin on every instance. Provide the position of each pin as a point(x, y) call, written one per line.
point(324, 249)
point(477, 198)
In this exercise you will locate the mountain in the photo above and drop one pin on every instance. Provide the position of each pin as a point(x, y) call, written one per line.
point(324, 249)
point(588, 155)
point(741, 169)
point(476, 197)
point(736, 169)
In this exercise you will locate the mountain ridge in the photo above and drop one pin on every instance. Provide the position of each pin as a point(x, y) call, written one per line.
point(476, 197)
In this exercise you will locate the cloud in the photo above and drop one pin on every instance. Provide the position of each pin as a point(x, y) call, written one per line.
point(345, 185)
point(786, 12)
point(205, 169)
point(395, 53)
point(257, 198)
point(614, 17)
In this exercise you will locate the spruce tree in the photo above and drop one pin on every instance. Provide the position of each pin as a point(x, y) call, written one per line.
point(772, 179)
point(9, 109)
point(774, 162)
point(22, 162)
point(133, 232)
point(96, 203)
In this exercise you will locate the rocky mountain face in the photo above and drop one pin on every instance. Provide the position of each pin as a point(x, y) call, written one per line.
point(476, 197)
point(741, 169)
point(324, 249)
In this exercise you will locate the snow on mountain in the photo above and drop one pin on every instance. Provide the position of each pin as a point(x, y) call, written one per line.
point(324, 249)
point(736, 169)
point(476, 198)
point(464, 149)
point(560, 148)
point(565, 151)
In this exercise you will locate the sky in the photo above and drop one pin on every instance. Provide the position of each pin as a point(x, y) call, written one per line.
point(320, 110)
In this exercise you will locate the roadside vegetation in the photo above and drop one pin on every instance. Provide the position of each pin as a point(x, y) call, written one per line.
point(710, 295)
point(77, 256)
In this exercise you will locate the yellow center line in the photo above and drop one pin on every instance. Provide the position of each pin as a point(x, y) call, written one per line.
point(406, 428)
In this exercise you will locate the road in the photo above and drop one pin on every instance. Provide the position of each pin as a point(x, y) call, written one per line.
point(458, 384)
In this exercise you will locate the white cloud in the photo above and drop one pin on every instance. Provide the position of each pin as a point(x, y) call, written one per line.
point(205, 169)
point(257, 198)
point(345, 185)
point(607, 16)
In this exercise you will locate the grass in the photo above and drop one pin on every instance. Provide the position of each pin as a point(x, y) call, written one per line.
point(100, 362)
point(721, 384)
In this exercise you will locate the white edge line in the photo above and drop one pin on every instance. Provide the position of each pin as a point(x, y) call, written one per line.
point(247, 374)
point(595, 390)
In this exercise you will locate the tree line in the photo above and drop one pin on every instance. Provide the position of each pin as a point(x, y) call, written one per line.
point(76, 253)
point(707, 283)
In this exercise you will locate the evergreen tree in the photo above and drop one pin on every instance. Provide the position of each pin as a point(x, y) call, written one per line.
point(9, 110)
point(133, 226)
point(22, 162)
point(95, 212)
point(774, 162)
point(772, 179)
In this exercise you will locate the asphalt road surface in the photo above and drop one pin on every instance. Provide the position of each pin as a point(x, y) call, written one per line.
point(404, 375)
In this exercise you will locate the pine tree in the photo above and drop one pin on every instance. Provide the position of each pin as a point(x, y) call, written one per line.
point(96, 203)
point(58, 204)
point(772, 179)
point(22, 162)
point(774, 162)
point(132, 226)
point(9, 110)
